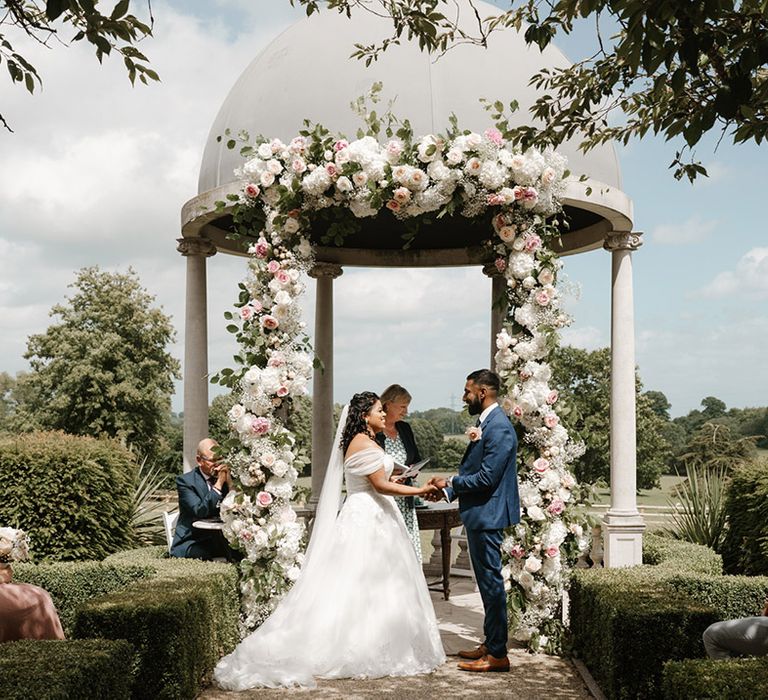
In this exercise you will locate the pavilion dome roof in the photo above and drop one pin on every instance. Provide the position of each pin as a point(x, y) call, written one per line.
point(307, 73)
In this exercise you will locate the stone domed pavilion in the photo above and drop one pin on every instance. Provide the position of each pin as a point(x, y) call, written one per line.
point(306, 73)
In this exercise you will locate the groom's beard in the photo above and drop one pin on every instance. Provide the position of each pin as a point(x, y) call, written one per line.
point(474, 408)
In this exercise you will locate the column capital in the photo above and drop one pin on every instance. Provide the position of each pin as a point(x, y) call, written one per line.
point(195, 246)
point(623, 240)
point(325, 269)
point(490, 270)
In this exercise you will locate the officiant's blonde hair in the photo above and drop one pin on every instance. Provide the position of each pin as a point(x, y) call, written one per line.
point(394, 392)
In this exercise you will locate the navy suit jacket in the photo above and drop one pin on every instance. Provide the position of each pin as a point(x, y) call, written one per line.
point(196, 502)
point(486, 484)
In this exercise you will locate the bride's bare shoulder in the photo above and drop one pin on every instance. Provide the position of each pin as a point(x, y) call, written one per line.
point(359, 443)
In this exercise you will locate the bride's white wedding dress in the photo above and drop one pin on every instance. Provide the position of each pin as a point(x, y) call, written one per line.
point(361, 607)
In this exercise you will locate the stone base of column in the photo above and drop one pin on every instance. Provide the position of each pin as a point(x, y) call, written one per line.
point(434, 567)
point(623, 540)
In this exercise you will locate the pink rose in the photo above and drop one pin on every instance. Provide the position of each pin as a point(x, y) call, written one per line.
point(473, 433)
point(276, 361)
point(340, 144)
point(541, 465)
point(282, 391)
point(542, 297)
point(532, 242)
point(273, 266)
point(245, 535)
point(495, 199)
point(257, 305)
point(252, 190)
point(246, 312)
point(498, 221)
point(298, 144)
point(331, 169)
point(401, 195)
point(551, 420)
point(517, 412)
point(269, 322)
point(519, 192)
point(501, 264)
point(393, 205)
point(494, 136)
point(264, 498)
point(508, 233)
point(517, 551)
point(283, 277)
point(298, 165)
point(260, 425)
point(552, 551)
point(262, 248)
point(556, 507)
point(552, 397)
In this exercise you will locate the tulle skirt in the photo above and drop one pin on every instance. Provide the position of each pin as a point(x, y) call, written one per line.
point(363, 611)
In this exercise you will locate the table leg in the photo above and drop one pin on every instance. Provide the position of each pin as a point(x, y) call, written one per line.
point(445, 540)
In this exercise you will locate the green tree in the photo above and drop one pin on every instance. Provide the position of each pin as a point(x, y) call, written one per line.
point(659, 404)
point(446, 420)
point(713, 408)
point(103, 367)
point(428, 438)
point(670, 68)
point(451, 452)
point(716, 445)
point(582, 378)
point(44, 23)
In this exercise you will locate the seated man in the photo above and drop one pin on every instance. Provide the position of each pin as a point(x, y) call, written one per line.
point(747, 636)
point(200, 493)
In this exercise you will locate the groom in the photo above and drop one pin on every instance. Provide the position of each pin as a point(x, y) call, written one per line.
point(486, 487)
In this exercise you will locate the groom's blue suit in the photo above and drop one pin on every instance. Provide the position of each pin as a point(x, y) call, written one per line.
point(486, 487)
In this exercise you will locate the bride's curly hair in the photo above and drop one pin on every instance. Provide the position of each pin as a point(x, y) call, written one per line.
point(359, 406)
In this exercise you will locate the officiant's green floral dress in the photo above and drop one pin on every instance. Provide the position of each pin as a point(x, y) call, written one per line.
point(395, 448)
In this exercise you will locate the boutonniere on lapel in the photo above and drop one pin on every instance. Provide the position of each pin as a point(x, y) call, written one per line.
point(473, 433)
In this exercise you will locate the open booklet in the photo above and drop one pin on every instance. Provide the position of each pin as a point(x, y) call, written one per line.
point(410, 471)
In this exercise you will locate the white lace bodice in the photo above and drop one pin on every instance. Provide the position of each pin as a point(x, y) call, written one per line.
point(361, 464)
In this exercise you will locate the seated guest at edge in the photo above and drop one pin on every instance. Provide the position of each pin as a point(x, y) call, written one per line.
point(200, 494)
point(26, 611)
point(747, 636)
point(397, 441)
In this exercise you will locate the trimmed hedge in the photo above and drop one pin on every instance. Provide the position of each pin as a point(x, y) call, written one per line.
point(677, 555)
point(88, 669)
point(706, 679)
point(745, 547)
point(180, 622)
point(72, 494)
point(731, 596)
point(72, 583)
point(626, 623)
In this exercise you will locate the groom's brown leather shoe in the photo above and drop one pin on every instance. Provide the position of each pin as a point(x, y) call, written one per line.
point(474, 654)
point(485, 664)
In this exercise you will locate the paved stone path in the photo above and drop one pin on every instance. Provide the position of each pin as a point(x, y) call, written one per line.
point(531, 677)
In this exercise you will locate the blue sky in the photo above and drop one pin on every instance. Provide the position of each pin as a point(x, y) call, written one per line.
point(97, 173)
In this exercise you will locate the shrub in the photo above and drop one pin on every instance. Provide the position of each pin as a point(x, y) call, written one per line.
point(678, 556)
point(627, 622)
point(180, 622)
point(86, 669)
point(745, 548)
point(72, 583)
point(704, 679)
point(71, 494)
point(731, 596)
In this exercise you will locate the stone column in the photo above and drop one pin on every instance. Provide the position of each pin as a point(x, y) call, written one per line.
point(623, 524)
point(195, 250)
point(498, 305)
point(322, 380)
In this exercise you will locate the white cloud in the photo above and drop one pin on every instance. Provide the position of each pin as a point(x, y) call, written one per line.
point(587, 338)
point(748, 280)
point(694, 230)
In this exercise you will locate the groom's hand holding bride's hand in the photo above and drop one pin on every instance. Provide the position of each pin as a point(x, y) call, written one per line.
point(436, 494)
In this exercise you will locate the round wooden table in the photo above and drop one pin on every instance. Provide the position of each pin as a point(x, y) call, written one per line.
point(441, 516)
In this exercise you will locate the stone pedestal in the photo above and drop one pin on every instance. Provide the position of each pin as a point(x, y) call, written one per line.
point(195, 250)
point(623, 525)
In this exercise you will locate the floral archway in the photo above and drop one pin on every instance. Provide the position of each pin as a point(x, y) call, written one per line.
point(288, 187)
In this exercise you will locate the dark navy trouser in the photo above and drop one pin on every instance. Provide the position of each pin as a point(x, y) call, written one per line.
point(485, 551)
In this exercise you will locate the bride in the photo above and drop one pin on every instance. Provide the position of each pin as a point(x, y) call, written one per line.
point(360, 608)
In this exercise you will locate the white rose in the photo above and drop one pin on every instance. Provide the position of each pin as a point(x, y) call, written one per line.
point(344, 184)
point(532, 564)
point(274, 166)
point(536, 513)
point(264, 151)
point(266, 179)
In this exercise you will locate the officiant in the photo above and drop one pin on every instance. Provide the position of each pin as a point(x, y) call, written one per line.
point(397, 440)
